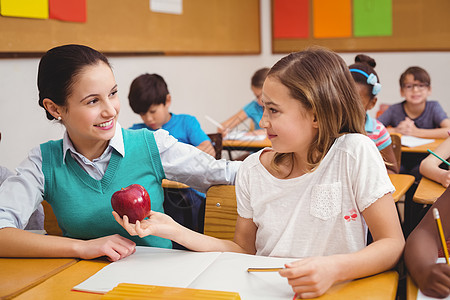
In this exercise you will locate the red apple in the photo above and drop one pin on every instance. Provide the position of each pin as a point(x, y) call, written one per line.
point(132, 201)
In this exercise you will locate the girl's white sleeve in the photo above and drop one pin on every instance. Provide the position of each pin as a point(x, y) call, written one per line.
point(187, 164)
point(21, 193)
point(244, 207)
point(369, 174)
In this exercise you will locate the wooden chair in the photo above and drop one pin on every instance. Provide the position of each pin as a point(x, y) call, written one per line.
point(216, 140)
point(220, 212)
point(382, 109)
point(50, 222)
point(397, 146)
point(251, 126)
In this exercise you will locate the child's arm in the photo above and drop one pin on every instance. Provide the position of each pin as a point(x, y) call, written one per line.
point(20, 243)
point(162, 225)
point(311, 277)
point(207, 147)
point(421, 251)
point(429, 167)
point(232, 122)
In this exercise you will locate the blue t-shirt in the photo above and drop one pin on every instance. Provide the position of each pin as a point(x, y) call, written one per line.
point(255, 112)
point(185, 128)
point(431, 117)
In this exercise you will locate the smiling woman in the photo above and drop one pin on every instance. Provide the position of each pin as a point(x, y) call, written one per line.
point(96, 157)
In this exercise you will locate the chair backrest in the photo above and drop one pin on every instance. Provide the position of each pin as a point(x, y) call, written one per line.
point(220, 212)
point(216, 140)
point(251, 126)
point(382, 109)
point(397, 146)
point(50, 222)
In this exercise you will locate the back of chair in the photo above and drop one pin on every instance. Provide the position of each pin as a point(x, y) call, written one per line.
point(50, 222)
point(220, 212)
point(397, 146)
point(216, 140)
point(382, 109)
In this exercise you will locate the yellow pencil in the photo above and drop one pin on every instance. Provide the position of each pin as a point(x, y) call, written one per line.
point(441, 233)
point(264, 269)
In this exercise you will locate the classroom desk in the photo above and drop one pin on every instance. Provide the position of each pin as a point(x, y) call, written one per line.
point(428, 191)
point(257, 145)
point(173, 184)
point(401, 182)
point(20, 274)
point(423, 148)
point(60, 285)
point(380, 286)
point(246, 145)
point(411, 289)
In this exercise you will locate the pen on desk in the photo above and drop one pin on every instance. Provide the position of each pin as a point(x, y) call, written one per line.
point(213, 121)
point(438, 157)
point(264, 269)
point(441, 233)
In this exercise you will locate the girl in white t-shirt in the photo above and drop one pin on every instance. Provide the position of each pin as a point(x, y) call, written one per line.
point(311, 194)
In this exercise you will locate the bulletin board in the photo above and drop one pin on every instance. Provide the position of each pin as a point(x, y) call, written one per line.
point(129, 27)
point(419, 25)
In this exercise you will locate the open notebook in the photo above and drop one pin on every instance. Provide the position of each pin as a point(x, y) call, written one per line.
point(412, 141)
point(221, 271)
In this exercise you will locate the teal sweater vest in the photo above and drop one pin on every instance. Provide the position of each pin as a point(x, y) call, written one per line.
point(82, 205)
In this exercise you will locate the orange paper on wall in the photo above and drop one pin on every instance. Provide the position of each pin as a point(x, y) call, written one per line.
point(332, 18)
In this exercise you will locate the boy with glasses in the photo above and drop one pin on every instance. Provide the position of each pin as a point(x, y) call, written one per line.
point(416, 115)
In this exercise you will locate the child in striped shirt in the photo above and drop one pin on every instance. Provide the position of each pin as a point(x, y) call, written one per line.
point(369, 86)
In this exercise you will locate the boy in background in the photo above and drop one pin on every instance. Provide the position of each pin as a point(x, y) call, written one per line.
point(150, 98)
point(416, 115)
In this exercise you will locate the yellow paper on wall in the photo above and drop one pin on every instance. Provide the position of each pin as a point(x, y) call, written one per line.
point(36, 9)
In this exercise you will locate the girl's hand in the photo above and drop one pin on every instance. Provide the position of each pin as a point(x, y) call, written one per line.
point(157, 224)
point(436, 281)
point(311, 277)
point(115, 247)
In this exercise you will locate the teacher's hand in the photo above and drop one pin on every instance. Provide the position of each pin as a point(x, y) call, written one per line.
point(115, 247)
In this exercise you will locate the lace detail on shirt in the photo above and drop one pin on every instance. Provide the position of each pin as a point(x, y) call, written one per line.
point(326, 200)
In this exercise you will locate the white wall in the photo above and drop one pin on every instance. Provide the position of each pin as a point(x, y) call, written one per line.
point(214, 85)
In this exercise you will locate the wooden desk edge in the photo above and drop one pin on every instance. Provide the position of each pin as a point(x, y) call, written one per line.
point(399, 192)
point(411, 289)
point(41, 279)
point(173, 184)
point(428, 191)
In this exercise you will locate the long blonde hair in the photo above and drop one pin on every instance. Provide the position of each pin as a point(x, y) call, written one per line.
point(321, 81)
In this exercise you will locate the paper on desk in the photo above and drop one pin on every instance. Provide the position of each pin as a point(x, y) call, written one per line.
point(149, 265)
point(201, 270)
point(412, 141)
point(421, 296)
point(229, 273)
point(245, 136)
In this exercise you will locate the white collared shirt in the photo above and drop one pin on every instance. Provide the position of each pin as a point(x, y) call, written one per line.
point(22, 193)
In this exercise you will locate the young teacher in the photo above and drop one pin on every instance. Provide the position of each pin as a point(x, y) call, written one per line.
point(96, 157)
